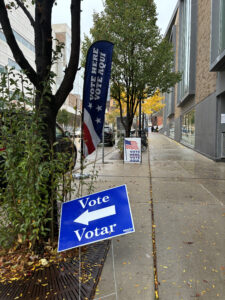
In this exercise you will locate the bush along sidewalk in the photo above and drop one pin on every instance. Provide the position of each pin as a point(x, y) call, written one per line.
point(120, 146)
point(33, 179)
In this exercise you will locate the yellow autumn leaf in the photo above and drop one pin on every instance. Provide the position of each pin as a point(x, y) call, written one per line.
point(203, 292)
point(43, 261)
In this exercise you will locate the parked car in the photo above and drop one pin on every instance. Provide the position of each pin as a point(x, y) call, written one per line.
point(63, 145)
point(109, 137)
point(78, 132)
point(132, 132)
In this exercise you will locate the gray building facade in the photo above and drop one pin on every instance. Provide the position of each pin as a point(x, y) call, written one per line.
point(194, 114)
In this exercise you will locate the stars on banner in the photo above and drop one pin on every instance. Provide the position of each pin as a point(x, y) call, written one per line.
point(98, 120)
point(99, 108)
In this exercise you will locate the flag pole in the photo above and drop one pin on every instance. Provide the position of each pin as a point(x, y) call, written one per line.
point(103, 143)
point(82, 125)
point(82, 140)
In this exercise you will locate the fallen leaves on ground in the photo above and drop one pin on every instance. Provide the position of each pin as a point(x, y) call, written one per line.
point(188, 243)
point(21, 262)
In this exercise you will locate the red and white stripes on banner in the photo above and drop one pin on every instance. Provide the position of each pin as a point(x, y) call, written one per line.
point(90, 138)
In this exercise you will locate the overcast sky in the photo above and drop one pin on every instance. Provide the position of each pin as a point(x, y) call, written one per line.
point(61, 14)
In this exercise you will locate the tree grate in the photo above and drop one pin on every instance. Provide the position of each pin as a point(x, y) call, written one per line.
point(61, 281)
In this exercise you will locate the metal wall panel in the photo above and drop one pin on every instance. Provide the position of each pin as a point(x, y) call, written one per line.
point(206, 126)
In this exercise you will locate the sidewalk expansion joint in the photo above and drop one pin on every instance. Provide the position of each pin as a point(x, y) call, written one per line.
point(104, 297)
point(187, 178)
point(123, 176)
point(154, 250)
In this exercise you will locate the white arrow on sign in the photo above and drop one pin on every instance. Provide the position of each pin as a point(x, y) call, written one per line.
point(87, 216)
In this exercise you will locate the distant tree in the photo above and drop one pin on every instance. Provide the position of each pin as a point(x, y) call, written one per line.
point(64, 117)
point(150, 105)
point(111, 117)
point(142, 60)
point(153, 104)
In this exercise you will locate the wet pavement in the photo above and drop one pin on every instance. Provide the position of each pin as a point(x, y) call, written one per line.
point(188, 193)
point(189, 199)
point(128, 271)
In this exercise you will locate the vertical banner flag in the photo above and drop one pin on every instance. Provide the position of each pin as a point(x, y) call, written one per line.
point(96, 83)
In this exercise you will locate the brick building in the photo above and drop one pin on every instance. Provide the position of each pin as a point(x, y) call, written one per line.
point(194, 114)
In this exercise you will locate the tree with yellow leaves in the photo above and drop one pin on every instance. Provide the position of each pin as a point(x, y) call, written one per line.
point(112, 115)
point(149, 106)
point(153, 104)
point(115, 111)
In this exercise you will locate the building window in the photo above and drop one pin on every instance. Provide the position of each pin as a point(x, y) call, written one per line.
point(2, 36)
point(218, 36)
point(68, 47)
point(13, 64)
point(172, 129)
point(188, 128)
point(20, 39)
point(187, 48)
point(2, 69)
point(185, 32)
point(170, 96)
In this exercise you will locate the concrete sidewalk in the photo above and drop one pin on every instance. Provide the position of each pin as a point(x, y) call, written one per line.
point(128, 271)
point(188, 193)
point(189, 199)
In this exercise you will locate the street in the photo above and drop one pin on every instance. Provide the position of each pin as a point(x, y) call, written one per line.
point(188, 194)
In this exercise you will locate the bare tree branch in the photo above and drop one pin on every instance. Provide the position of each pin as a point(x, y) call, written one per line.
point(11, 41)
point(70, 72)
point(25, 10)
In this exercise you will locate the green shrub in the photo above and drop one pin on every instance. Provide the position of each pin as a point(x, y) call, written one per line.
point(120, 146)
point(31, 171)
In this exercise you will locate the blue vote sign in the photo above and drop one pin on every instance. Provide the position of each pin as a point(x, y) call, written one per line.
point(94, 218)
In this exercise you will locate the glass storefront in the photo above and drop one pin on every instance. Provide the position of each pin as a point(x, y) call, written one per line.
point(188, 128)
point(172, 130)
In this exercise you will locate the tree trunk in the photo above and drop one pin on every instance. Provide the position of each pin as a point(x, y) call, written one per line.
point(143, 122)
point(48, 115)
